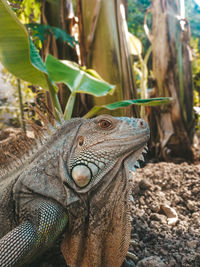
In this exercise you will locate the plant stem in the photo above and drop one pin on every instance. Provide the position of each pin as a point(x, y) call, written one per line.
point(92, 112)
point(21, 106)
point(70, 103)
point(54, 98)
point(69, 107)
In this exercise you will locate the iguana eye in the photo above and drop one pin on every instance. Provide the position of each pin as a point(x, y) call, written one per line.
point(104, 123)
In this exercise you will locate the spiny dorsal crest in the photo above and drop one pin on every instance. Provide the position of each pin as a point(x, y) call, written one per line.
point(16, 146)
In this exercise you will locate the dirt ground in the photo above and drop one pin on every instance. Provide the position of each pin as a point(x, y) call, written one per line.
point(163, 190)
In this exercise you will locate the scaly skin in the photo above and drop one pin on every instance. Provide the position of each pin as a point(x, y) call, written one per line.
point(77, 183)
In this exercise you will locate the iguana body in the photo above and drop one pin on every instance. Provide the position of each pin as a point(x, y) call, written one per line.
point(77, 182)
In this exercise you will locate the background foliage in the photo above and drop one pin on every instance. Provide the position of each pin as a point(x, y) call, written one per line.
point(29, 13)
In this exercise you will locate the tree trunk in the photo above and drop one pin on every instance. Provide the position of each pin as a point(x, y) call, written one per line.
point(59, 14)
point(104, 47)
point(172, 125)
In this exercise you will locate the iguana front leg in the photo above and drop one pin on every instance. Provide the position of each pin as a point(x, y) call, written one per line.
point(44, 223)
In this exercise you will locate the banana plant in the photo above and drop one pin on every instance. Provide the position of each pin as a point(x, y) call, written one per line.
point(19, 55)
point(140, 67)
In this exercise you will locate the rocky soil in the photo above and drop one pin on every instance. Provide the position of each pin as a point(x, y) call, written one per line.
point(166, 216)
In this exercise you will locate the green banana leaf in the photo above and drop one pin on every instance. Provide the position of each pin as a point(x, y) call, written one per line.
point(15, 49)
point(125, 103)
point(77, 78)
point(19, 55)
point(41, 31)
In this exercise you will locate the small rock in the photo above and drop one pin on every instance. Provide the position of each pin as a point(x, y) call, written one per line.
point(172, 263)
point(134, 243)
point(197, 260)
point(152, 261)
point(164, 252)
point(140, 213)
point(195, 190)
point(180, 229)
point(144, 185)
point(178, 257)
point(196, 221)
point(134, 235)
point(158, 217)
point(128, 263)
point(146, 253)
point(186, 194)
point(157, 188)
point(132, 256)
point(155, 207)
point(181, 217)
point(195, 214)
point(192, 243)
point(191, 205)
point(187, 260)
point(154, 224)
point(170, 213)
point(142, 202)
point(177, 200)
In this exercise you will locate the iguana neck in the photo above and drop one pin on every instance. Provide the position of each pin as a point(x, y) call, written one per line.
point(104, 220)
point(44, 144)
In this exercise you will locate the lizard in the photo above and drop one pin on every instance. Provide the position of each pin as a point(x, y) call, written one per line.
point(74, 181)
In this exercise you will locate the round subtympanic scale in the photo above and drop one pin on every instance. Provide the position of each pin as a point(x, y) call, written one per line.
point(81, 175)
point(94, 169)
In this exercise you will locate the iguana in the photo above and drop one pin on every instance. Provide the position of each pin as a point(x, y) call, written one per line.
point(75, 181)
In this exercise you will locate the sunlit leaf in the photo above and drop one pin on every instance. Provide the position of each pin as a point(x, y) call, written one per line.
point(125, 103)
point(135, 45)
point(75, 78)
point(15, 50)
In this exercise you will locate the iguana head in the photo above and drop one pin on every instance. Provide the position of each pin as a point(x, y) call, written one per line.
point(99, 144)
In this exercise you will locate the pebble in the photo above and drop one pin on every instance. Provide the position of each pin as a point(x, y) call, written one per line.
point(180, 229)
point(152, 261)
point(158, 217)
point(192, 244)
point(197, 260)
point(196, 214)
point(144, 185)
point(142, 202)
point(191, 205)
point(170, 213)
point(132, 256)
point(154, 224)
point(155, 207)
point(172, 263)
point(133, 242)
point(164, 252)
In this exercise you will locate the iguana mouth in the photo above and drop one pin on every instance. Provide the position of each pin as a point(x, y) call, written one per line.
point(83, 172)
point(134, 158)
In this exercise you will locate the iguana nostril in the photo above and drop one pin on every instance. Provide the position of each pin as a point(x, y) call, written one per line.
point(141, 124)
point(80, 140)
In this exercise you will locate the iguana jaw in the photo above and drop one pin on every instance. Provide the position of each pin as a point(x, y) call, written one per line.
point(131, 159)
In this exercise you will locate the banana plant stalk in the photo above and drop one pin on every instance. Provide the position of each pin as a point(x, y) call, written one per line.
point(21, 106)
